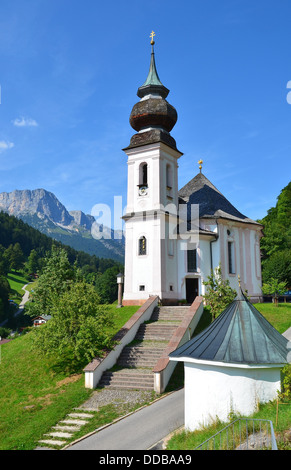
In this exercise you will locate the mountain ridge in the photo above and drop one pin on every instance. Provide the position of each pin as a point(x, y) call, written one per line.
point(42, 210)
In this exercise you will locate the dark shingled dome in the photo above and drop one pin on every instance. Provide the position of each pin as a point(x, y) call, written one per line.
point(153, 113)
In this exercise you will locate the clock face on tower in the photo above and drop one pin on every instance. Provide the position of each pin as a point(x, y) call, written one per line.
point(143, 190)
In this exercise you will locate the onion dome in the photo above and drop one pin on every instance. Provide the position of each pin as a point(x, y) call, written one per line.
point(152, 117)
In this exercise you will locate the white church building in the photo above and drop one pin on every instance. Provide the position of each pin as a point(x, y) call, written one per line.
point(170, 248)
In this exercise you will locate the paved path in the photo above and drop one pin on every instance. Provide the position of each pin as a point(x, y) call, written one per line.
point(142, 429)
point(23, 300)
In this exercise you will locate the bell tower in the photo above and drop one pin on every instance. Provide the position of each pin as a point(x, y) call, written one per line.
point(151, 257)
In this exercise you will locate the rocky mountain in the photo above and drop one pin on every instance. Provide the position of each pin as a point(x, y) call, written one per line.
point(42, 210)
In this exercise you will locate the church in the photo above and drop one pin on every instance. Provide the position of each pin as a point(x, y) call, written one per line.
point(175, 238)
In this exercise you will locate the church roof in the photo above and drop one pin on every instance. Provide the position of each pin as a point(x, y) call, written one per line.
point(240, 335)
point(212, 203)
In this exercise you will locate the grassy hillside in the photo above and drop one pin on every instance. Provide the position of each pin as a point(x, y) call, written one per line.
point(17, 281)
point(33, 396)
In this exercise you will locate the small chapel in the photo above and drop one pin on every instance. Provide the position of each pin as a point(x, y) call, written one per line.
point(175, 238)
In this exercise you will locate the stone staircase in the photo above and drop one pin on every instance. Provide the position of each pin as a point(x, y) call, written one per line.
point(136, 361)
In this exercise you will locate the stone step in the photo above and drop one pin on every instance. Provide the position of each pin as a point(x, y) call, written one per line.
point(52, 442)
point(71, 428)
point(79, 422)
point(172, 308)
point(136, 362)
point(166, 317)
point(154, 331)
point(178, 311)
point(154, 337)
point(157, 327)
point(80, 415)
point(60, 434)
point(127, 380)
point(129, 352)
point(127, 374)
point(127, 386)
point(139, 357)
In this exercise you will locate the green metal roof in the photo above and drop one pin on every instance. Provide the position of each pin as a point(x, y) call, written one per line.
point(153, 83)
point(239, 335)
point(153, 77)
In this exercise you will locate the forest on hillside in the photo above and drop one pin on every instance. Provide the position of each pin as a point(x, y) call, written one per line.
point(25, 249)
point(276, 243)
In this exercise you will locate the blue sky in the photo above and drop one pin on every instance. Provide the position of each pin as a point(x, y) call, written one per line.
point(69, 76)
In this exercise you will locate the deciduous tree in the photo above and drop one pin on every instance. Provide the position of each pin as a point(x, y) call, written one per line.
point(219, 293)
point(274, 288)
point(52, 283)
point(78, 329)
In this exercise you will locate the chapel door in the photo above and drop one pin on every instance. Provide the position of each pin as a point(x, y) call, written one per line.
point(191, 290)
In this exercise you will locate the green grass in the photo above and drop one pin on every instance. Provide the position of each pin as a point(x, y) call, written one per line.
point(280, 318)
point(16, 283)
point(34, 397)
point(121, 316)
point(31, 286)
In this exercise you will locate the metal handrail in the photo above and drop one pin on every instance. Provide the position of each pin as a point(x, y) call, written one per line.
point(239, 439)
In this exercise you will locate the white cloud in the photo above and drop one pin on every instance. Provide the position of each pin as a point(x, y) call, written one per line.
point(25, 122)
point(5, 145)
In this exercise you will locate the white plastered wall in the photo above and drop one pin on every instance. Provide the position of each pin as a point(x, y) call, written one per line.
point(213, 391)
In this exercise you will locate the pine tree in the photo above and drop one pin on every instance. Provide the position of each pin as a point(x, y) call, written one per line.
point(32, 264)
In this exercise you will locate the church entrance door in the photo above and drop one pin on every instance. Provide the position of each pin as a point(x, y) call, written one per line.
point(191, 289)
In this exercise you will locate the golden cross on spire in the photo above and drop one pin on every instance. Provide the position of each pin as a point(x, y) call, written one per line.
point(152, 37)
point(200, 165)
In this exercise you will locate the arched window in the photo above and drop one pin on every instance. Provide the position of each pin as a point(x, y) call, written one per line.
point(230, 252)
point(192, 261)
point(169, 177)
point(142, 247)
point(143, 174)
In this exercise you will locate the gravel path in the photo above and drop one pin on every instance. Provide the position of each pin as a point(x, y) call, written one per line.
point(116, 397)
